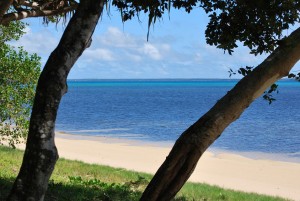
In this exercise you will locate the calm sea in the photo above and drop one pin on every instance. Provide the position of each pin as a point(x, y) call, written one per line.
point(160, 110)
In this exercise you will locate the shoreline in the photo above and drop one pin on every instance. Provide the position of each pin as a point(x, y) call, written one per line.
point(216, 167)
point(256, 155)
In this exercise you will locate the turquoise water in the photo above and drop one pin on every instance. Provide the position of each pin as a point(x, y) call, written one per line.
point(160, 110)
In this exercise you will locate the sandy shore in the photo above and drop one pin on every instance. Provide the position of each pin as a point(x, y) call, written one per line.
point(223, 169)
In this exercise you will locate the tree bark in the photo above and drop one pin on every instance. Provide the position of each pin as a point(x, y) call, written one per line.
point(183, 158)
point(4, 6)
point(41, 153)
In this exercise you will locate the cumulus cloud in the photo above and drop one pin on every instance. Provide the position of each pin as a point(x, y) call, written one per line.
point(115, 45)
point(114, 37)
point(42, 41)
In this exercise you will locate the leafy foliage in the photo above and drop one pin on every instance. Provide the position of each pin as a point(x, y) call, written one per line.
point(243, 71)
point(258, 24)
point(19, 72)
point(13, 31)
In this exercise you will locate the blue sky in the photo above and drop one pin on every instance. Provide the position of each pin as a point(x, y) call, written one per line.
point(176, 49)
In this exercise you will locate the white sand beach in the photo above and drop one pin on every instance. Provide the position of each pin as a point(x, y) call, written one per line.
point(226, 170)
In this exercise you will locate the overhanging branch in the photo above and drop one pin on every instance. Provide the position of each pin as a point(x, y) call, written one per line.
point(35, 13)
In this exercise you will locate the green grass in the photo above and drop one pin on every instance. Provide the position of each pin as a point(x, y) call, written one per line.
point(75, 180)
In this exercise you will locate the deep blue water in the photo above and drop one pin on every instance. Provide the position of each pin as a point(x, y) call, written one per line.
point(160, 110)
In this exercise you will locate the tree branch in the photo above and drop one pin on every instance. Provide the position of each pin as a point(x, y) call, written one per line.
point(35, 13)
point(4, 6)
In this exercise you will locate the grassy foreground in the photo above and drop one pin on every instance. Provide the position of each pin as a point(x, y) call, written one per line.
point(74, 180)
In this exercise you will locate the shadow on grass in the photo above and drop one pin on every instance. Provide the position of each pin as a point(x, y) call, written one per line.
point(90, 190)
point(84, 191)
point(77, 189)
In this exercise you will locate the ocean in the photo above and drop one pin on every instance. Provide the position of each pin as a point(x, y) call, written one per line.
point(160, 110)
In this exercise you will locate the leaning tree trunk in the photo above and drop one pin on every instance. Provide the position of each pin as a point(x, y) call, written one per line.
point(41, 153)
point(183, 158)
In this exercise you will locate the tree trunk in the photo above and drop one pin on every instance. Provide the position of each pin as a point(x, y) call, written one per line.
point(41, 153)
point(183, 158)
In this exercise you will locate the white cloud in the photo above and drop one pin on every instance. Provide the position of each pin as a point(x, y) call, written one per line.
point(151, 51)
point(115, 45)
point(99, 54)
point(42, 42)
point(113, 37)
